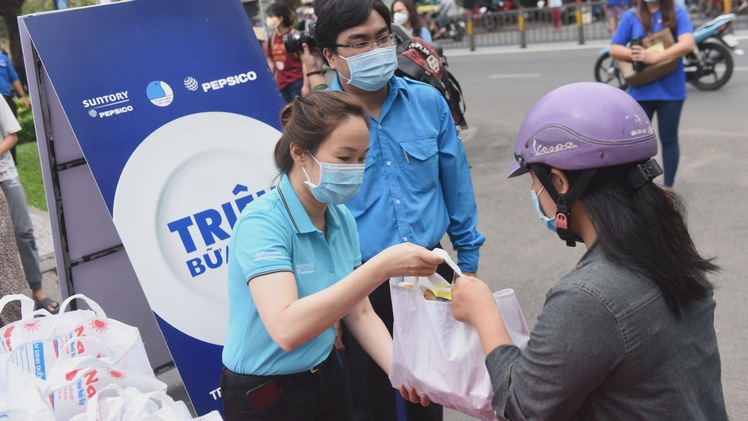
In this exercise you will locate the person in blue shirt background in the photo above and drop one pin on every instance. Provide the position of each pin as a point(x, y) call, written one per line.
point(614, 9)
point(417, 185)
point(291, 274)
point(666, 95)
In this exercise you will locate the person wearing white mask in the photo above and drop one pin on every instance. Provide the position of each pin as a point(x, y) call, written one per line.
point(295, 270)
point(287, 68)
point(417, 185)
point(405, 14)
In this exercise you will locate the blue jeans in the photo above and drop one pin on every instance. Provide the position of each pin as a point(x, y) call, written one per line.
point(668, 120)
point(321, 395)
point(291, 91)
point(24, 230)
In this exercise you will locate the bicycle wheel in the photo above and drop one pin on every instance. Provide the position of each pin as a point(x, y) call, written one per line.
point(606, 71)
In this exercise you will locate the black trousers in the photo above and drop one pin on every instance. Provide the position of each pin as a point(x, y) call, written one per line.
point(371, 391)
point(320, 394)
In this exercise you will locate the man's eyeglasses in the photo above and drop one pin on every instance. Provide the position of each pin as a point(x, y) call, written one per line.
point(383, 41)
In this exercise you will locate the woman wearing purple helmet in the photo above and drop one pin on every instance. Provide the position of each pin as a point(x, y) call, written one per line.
point(629, 333)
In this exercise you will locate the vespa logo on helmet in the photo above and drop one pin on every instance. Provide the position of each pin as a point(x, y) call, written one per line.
point(539, 149)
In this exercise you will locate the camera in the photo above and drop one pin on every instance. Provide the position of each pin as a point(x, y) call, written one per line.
point(293, 41)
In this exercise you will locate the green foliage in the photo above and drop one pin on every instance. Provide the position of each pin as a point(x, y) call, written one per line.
point(27, 133)
point(29, 170)
point(33, 6)
point(26, 120)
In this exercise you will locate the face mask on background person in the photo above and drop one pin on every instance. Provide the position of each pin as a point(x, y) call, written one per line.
point(400, 18)
point(272, 22)
point(338, 183)
point(550, 223)
point(371, 70)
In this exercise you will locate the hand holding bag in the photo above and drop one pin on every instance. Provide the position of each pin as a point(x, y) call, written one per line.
point(651, 72)
point(440, 356)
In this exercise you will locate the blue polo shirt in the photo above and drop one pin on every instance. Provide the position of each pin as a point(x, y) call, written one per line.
point(417, 184)
point(275, 234)
point(8, 75)
point(671, 87)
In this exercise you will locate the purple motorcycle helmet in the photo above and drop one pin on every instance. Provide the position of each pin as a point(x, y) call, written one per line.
point(583, 126)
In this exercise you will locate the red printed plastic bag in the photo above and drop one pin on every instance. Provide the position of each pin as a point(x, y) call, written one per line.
point(72, 383)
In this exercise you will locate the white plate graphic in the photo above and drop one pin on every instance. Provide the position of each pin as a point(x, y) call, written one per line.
point(190, 166)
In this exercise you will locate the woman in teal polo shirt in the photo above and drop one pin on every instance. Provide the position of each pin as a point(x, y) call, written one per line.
point(291, 273)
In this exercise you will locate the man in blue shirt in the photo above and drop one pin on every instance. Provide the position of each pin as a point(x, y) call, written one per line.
point(417, 184)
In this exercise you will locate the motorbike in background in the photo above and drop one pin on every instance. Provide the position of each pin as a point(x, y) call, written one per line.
point(456, 28)
point(708, 67)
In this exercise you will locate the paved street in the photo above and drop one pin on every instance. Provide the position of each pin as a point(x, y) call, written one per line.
point(501, 86)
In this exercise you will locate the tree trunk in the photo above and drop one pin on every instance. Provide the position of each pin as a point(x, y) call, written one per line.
point(9, 10)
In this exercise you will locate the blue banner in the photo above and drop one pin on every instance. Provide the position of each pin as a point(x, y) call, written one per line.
point(176, 113)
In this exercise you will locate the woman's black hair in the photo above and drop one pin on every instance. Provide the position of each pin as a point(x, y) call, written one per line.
point(667, 8)
point(645, 230)
point(335, 16)
point(282, 11)
point(307, 122)
point(413, 18)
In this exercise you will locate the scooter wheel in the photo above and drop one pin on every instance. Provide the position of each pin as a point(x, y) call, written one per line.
point(716, 66)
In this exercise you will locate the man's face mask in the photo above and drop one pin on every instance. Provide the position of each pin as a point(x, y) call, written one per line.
point(371, 70)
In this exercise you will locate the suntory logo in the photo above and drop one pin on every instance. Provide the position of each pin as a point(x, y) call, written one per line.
point(108, 105)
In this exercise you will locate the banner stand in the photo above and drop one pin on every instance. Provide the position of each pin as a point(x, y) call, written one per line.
point(156, 124)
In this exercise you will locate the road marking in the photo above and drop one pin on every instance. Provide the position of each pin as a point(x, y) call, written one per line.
point(740, 69)
point(514, 76)
point(712, 134)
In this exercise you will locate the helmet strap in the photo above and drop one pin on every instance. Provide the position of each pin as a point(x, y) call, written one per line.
point(564, 202)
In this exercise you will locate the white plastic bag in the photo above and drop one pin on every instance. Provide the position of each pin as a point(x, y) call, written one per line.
point(442, 357)
point(36, 344)
point(114, 403)
point(71, 384)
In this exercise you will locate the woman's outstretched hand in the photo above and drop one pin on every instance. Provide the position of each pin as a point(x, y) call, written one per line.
point(410, 395)
point(471, 298)
point(407, 259)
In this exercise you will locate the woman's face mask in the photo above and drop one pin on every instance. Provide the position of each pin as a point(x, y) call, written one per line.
point(371, 70)
point(272, 22)
point(400, 18)
point(338, 183)
point(550, 223)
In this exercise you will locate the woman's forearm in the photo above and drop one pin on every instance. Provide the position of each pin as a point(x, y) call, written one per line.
point(293, 321)
point(371, 333)
point(492, 331)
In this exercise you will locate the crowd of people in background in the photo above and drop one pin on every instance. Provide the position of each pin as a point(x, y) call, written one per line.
point(373, 175)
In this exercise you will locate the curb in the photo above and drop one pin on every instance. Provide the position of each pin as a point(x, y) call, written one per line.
point(47, 263)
